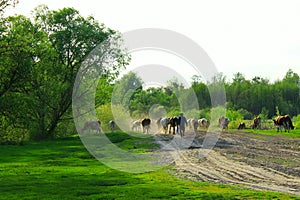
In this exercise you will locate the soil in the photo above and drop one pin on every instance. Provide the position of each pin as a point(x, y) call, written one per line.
point(252, 160)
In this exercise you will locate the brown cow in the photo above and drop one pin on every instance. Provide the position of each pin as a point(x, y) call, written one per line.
point(256, 123)
point(283, 122)
point(223, 122)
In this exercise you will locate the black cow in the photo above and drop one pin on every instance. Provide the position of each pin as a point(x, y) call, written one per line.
point(112, 125)
point(146, 125)
point(242, 125)
point(173, 124)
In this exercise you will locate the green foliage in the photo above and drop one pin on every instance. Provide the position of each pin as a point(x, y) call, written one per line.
point(205, 113)
point(118, 113)
point(277, 111)
point(10, 133)
point(245, 98)
point(235, 118)
point(104, 114)
point(157, 111)
point(264, 113)
point(194, 113)
point(246, 114)
point(296, 121)
point(39, 63)
point(217, 112)
point(175, 112)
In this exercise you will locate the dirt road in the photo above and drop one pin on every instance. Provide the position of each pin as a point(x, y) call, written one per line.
point(256, 161)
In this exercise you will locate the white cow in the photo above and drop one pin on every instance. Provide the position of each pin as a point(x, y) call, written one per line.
point(165, 124)
point(136, 125)
point(92, 125)
point(203, 123)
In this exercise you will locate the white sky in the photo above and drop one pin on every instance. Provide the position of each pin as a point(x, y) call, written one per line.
point(257, 37)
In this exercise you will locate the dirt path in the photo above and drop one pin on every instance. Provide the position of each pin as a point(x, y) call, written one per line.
point(256, 161)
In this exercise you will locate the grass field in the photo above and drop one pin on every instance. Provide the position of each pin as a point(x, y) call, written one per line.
point(63, 169)
point(273, 132)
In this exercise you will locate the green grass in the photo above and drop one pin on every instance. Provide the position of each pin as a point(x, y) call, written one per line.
point(295, 134)
point(63, 169)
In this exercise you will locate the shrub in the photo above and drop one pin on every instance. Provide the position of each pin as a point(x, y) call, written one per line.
point(296, 121)
point(106, 112)
point(10, 134)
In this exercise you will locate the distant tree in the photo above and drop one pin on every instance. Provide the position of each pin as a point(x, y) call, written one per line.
point(217, 90)
point(126, 88)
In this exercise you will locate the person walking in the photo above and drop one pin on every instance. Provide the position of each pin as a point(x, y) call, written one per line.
point(182, 123)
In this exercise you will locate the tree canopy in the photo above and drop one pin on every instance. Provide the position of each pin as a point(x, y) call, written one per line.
point(39, 63)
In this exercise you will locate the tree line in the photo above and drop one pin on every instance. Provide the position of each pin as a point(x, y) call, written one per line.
point(249, 98)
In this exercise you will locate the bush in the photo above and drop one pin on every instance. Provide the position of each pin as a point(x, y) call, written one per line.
point(296, 121)
point(246, 114)
point(118, 113)
point(192, 114)
point(10, 134)
point(205, 113)
point(65, 129)
point(174, 113)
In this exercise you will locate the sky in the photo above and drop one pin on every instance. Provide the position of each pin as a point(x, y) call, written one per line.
point(256, 38)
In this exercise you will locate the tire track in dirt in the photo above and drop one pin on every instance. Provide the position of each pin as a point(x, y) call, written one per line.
point(218, 169)
point(256, 161)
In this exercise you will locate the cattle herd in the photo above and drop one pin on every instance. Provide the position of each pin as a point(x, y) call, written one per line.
point(173, 125)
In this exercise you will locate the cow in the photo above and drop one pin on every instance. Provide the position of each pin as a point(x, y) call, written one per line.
point(146, 125)
point(256, 123)
point(242, 125)
point(136, 125)
point(193, 124)
point(112, 125)
point(223, 122)
point(158, 122)
point(92, 125)
point(190, 123)
point(283, 122)
point(164, 122)
point(203, 123)
point(173, 124)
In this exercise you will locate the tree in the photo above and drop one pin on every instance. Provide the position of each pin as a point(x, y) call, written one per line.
point(72, 38)
point(126, 88)
point(18, 54)
point(217, 90)
point(41, 60)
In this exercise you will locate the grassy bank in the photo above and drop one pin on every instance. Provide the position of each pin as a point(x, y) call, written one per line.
point(294, 134)
point(63, 169)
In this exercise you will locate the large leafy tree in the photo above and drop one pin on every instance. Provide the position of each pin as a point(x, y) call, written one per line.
point(42, 59)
